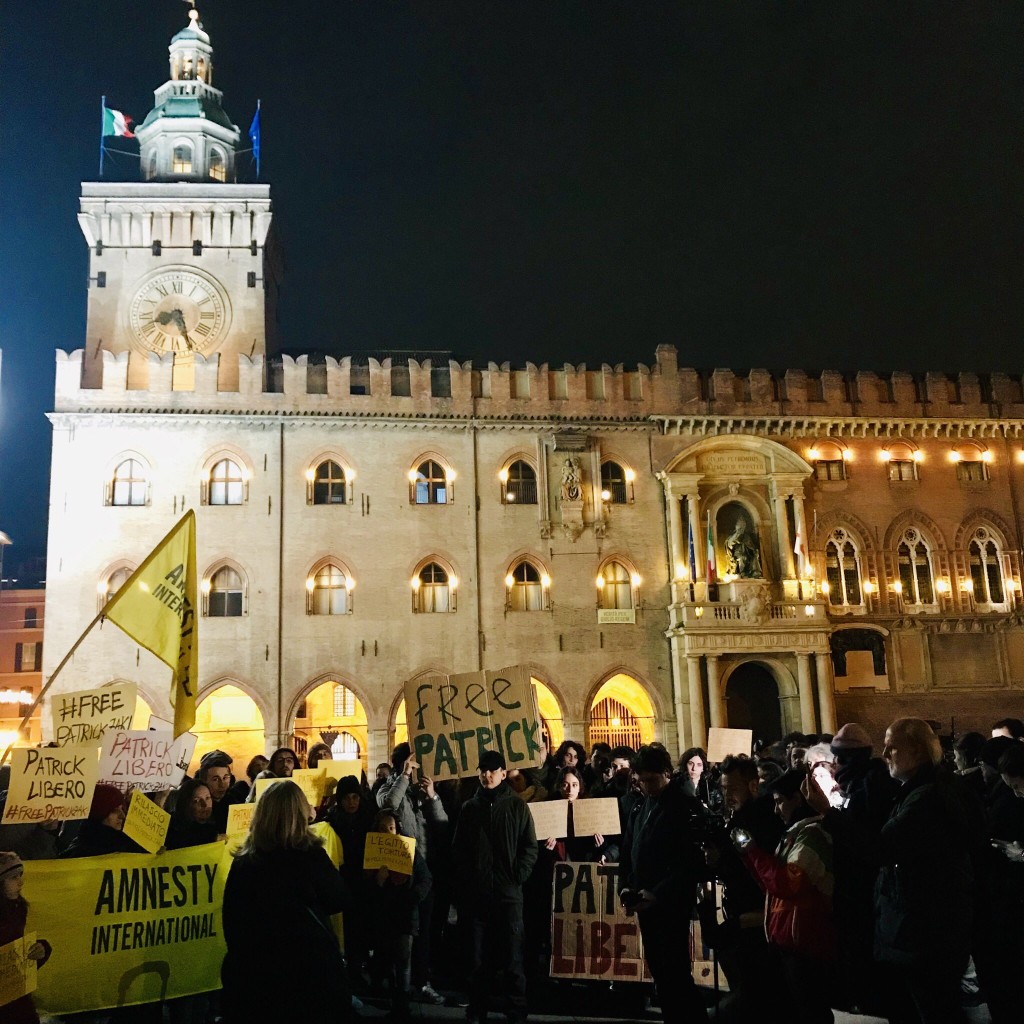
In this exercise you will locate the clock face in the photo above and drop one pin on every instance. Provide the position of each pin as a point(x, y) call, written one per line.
point(179, 311)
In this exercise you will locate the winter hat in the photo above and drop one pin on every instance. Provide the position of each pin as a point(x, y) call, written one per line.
point(994, 749)
point(491, 761)
point(850, 737)
point(105, 800)
point(214, 759)
point(789, 783)
point(8, 862)
point(346, 785)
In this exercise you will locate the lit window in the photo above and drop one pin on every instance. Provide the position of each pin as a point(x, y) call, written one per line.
point(519, 484)
point(986, 568)
point(344, 702)
point(225, 597)
point(613, 484)
point(902, 462)
point(28, 657)
point(971, 463)
point(433, 591)
point(227, 484)
point(915, 569)
point(345, 747)
point(616, 586)
point(842, 570)
point(829, 464)
point(218, 171)
point(525, 587)
point(182, 162)
point(330, 591)
point(329, 484)
point(430, 484)
point(129, 484)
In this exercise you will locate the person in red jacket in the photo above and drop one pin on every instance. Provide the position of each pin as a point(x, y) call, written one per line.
point(798, 881)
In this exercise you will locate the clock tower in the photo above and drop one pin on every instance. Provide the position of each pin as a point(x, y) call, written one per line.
point(183, 263)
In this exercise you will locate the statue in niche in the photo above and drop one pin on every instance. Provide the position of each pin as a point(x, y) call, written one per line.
point(742, 549)
point(572, 488)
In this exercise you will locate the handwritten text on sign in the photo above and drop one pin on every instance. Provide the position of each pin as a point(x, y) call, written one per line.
point(384, 850)
point(454, 719)
point(51, 784)
point(85, 715)
point(133, 759)
point(146, 823)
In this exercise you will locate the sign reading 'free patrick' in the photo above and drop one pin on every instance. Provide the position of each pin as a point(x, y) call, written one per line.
point(454, 719)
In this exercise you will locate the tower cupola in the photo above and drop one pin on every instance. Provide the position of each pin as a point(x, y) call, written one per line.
point(187, 136)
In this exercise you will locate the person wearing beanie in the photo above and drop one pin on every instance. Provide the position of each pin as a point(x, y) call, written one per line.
point(102, 831)
point(495, 850)
point(13, 917)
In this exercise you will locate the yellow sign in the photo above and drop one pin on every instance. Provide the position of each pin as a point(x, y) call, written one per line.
point(454, 719)
point(312, 782)
point(85, 715)
point(146, 823)
point(51, 783)
point(156, 607)
point(17, 971)
point(384, 850)
point(306, 784)
point(240, 819)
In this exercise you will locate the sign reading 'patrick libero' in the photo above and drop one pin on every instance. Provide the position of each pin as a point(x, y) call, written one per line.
point(732, 463)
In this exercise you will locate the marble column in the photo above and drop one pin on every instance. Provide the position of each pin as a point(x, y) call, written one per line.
point(803, 675)
point(698, 725)
point(801, 529)
point(716, 698)
point(782, 529)
point(677, 544)
point(826, 692)
point(693, 518)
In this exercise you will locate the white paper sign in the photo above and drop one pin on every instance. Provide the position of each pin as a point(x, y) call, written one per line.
point(723, 742)
point(550, 819)
point(139, 759)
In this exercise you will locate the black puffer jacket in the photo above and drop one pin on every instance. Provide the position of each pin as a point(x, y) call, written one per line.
point(495, 846)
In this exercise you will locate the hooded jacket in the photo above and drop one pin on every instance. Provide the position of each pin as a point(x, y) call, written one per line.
point(414, 814)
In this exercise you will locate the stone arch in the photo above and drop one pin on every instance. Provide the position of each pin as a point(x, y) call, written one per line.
point(914, 517)
point(848, 521)
point(761, 519)
point(358, 725)
point(644, 690)
point(246, 739)
point(983, 517)
point(369, 708)
point(787, 689)
point(780, 458)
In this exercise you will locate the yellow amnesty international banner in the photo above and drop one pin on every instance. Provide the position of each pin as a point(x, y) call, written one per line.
point(156, 607)
point(17, 971)
point(146, 823)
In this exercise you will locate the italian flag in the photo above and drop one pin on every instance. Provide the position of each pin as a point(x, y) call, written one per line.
point(116, 123)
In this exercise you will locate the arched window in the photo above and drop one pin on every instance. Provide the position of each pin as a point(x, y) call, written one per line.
point(986, 568)
point(842, 570)
point(225, 597)
point(518, 484)
point(182, 159)
point(344, 702)
point(526, 588)
point(151, 173)
point(616, 483)
point(330, 484)
point(345, 747)
point(902, 461)
point(971, 463)
point(433, 589)
point(915, 568)
point(615, 586)
point(129, 484)
point(218, 169)
point(431, 483)
point(227, 483)
point(829, 461)
point(108, 587)
point(329, 591)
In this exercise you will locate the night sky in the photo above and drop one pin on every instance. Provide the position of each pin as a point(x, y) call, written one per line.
point(767, 184)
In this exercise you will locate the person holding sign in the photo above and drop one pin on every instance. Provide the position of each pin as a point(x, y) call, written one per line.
point(495, 850)
point(569, 786)
point(13, 917)
point(103, 831)
point(280, 894)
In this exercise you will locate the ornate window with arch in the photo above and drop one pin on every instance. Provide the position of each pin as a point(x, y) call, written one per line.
point(112, 583)
point(914, 563)
point(433, 589)
point(985, 563)
point(129, 484)
point(842, 570)
point(181, 160)
point(330, 483)
point(616, 483)
point(224, 593)
point(218, 168)
point(226, 483)
point(518, 483)
point(526, 588)
point(616, 586)
point(431, 483)
point(329, 590)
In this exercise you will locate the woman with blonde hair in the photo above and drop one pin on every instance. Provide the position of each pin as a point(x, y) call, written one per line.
point(278, 900)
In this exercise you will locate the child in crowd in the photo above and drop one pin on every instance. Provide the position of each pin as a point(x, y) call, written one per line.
point(13, 915)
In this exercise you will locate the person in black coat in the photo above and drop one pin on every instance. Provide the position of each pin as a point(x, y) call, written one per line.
point(192, 822)
point(102, 831)
point(278, 900)
point(660, 867)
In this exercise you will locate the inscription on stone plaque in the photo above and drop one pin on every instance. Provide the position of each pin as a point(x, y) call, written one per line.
point(735, 463)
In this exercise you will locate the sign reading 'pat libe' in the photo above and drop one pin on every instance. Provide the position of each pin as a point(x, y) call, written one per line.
point(453, 719)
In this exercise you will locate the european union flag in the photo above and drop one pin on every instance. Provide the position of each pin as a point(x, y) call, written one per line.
point(254, 137)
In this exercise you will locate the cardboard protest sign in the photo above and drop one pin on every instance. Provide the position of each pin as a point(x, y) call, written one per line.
point(240, 819)
point(138, 759)
point(453, 719)
point(723, 742)
point(184, 748)
point(146, 823)
point(51, 784)
point(84, 716)
point(550, 819)
point(596, 816)
point(133, 928)
point(384, 850)
point(17, 971)
point(591, 936)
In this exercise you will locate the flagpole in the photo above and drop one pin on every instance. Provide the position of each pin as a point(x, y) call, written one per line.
point(259, 148)
point(103, 107)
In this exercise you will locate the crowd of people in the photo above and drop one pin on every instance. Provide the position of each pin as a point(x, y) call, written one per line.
point(822, 876)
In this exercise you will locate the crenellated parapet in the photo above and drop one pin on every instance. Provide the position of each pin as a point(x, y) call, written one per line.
point(423, 388)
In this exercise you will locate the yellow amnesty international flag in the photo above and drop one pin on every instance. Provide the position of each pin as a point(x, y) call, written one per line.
point(156, 607)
